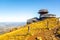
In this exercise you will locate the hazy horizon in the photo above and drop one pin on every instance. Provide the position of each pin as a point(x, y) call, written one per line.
point(11, 24)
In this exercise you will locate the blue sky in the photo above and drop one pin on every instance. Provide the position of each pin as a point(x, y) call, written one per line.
point(21, 10)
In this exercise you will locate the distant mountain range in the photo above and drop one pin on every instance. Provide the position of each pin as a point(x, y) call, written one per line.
point(11, 24)
point(6, 26)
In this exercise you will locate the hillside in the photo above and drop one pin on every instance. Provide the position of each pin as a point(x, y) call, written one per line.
point(47, 29)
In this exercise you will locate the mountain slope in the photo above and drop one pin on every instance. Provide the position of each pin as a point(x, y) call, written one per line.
point(40, 30)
